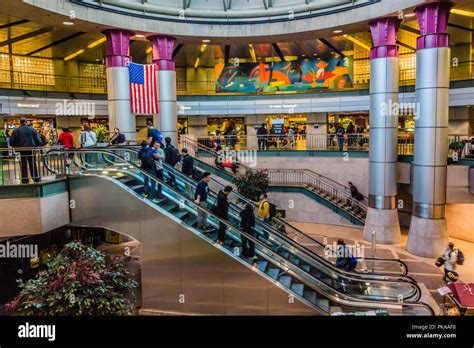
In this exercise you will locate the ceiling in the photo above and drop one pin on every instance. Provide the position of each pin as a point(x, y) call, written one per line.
point(39, 40)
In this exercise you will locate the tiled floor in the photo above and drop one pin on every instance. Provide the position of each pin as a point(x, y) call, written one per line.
point(420, 268)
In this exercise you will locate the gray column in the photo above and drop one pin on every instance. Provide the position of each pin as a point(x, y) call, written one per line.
point(428, 233)
point(166, 85)
point(118, 91)
point(382, 214)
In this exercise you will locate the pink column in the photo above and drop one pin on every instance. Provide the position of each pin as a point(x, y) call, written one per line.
point(166, 79)
point(118, 91)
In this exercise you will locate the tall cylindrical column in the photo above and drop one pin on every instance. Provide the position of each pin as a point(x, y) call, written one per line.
point(166, 80)
point(428, 233)
point(118, 90)
point(382, 215)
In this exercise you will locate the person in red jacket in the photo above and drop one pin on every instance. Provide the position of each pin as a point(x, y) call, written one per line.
point(66, 139)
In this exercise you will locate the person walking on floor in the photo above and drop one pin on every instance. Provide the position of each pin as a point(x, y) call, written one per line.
point(66, 140)
point(247, 224)
point(88, 139)
point(153, 134)
point(222, 211)
point(340, 137)
point(200, 198)
point(26, 137)
point(450, 258)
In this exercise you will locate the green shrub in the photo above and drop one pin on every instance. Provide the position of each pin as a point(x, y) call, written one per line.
point(79, 281)
point(252, 183)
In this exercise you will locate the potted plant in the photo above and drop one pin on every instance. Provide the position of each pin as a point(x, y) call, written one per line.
point(78, 281)
point(102, 135)
point(252, 183)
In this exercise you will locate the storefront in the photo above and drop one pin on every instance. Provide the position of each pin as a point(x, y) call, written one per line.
point(235, 124)
point(297, 121)
point(358, 119)
point(44, 125)
point(95, 122)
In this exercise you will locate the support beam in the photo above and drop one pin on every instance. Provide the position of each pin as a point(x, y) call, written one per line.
point(177, 49)
point(12, 24)
point(26, 36)
point(331, 46)
point(278, 51)
point(226, 54)
point(55, 43)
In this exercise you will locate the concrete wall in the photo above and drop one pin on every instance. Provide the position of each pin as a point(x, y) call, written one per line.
point(27, 216)
point(301, 208)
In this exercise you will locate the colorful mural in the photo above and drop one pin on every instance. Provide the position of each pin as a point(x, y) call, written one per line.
point(332, 73)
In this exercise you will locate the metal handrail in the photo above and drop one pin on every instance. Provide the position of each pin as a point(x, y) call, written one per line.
point(273, 230)
point(299, 273)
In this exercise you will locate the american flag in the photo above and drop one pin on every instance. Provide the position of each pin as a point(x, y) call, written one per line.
point(143, 89)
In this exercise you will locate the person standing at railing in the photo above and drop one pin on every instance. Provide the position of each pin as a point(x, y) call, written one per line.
point(262, 134)
point(66, 140)
point(340, 137)
point(200, 198)
point(291, 137)
point(26, 137)
point(88, 138)
point(117, 137)
point(350, 131)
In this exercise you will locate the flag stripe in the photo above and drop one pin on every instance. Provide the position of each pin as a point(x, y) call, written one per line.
point(143, 89)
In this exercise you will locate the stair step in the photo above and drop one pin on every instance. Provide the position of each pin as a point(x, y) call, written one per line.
point(169, 206)
point(285, 280)
point(298, 288)
point(307, 268)
point(273, 272)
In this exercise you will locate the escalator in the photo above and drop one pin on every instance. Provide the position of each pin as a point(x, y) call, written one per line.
point(316, 246)
point(280, 260)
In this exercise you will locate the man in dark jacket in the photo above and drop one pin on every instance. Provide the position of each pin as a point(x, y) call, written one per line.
point(222, 211)
point(247, 224)
point(145, 155)
point(188, 163)
point(26, 137)
point(262, 134)
point(171, 158)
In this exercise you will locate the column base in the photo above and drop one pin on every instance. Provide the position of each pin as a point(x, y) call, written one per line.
point(427, 237)
point(386, 225)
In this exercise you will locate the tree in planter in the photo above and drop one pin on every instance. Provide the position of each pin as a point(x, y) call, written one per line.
point(252, 183)
point(79, 281)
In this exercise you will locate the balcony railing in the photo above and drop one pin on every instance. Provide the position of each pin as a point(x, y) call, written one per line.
point(98, 85)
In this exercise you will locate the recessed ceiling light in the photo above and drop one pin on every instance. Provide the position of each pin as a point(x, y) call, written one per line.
point(206, 40)
point(337, 31)
point(68, 23)
point(303, 55)
point(97, 60)
point(410, 14)
point(139, 35)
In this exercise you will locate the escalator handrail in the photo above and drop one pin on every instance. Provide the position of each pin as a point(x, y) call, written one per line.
point(322, 263)
point(295, 244)
point(401, 263)
point(282, 262)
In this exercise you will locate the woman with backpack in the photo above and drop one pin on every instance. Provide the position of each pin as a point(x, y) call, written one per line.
point(450, 258)
point(145, 155)
point(117, 138)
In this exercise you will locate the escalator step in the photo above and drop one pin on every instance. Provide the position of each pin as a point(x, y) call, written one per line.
point(298, 288)
point(285, 280)
point(169, 207)
point(323, 303)
point(295, 260)
point(310, 295)
point(262, 265)
point(191, 221)
point(273, 272)
point(285, 254)
point(307, 268)
point(138, 187)
point(181, 214)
